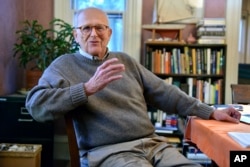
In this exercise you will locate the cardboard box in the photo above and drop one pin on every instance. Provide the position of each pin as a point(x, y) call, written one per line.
point(21, 155)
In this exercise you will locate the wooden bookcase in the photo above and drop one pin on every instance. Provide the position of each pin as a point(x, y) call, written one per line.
point(197, 69)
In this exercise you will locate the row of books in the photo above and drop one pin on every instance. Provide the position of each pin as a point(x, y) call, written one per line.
point(188, 61)
point(212, 31)
point(206, 90)
point(197, 156)
point(163, 122)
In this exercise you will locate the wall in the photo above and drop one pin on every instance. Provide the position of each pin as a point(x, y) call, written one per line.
point(12, 12)
point(215, 8)
point(245, 49)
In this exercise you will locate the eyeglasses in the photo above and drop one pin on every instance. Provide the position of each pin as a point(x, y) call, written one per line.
point(99, 28)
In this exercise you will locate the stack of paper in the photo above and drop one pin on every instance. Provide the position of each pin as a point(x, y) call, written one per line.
point(245, 118)
point(243, 138)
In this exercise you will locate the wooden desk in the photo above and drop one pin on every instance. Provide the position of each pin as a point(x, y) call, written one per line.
point(211, 137)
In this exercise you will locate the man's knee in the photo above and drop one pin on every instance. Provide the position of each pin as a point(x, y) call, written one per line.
point(126, 159)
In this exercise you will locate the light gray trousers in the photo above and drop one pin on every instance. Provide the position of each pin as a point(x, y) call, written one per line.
point(147, 152)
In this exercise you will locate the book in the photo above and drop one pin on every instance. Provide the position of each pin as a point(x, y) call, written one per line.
point(157, 61)
point(184, 87)
point(164, 131)
point(166, 128)
point(208, 53)
point(190, 86)
point(212, 22)
point(245, 118)
point(148, 59)
point(175, 60)
point(187, 61)
point(241, 137)
point(212, 37)
point(193, 53)
point(211, 31)
point(168, 63)
point(169, 80)
point(198, 61)
point(211, 41)
point(196, 156)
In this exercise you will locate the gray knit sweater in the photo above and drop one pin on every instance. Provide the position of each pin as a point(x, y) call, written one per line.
point(115, 114)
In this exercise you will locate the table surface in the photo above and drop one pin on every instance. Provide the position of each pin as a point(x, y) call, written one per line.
point(212, 138)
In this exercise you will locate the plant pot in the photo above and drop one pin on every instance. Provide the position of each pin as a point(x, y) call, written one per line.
point(32, 77)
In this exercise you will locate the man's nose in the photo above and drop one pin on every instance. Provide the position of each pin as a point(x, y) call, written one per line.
point(93, 32)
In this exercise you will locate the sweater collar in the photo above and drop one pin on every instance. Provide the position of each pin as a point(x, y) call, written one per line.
point(85, 54)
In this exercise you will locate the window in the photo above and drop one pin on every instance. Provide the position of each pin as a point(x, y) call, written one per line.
point(244, 33)
point(244, 41)
point(124, 16)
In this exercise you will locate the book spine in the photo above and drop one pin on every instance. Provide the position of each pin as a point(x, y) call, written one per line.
point(194, 60)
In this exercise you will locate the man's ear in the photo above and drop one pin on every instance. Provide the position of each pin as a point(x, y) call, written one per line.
point(110, 31)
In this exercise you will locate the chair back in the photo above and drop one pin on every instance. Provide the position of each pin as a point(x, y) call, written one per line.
point(240, 93)
point(72, 141)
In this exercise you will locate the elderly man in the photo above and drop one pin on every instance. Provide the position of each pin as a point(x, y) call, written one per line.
point(108, 92)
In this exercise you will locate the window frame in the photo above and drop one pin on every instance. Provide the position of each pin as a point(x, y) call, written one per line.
point(132, 23)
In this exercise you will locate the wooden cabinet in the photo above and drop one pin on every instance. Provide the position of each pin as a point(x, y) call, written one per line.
point(17, 126)
point(198, 69)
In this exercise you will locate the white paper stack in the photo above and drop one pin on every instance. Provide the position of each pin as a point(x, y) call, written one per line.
point(243, 138)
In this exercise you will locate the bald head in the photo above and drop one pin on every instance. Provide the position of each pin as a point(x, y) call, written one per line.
point(92, 14)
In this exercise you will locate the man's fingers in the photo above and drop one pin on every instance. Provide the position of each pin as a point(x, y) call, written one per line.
point(107, 72)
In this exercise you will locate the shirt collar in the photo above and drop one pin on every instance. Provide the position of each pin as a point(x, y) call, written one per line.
point(85, 54)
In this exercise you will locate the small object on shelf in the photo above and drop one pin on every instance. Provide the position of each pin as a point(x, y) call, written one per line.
point(23, 91)
point(165, 29)
point(191, 39)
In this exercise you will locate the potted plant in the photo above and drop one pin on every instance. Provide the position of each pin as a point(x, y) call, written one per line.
point(37, 47)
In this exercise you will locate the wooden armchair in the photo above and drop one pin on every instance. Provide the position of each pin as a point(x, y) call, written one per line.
point(240, 93)
point(72, 141)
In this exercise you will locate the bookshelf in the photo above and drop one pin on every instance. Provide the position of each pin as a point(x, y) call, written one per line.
point(197, 69)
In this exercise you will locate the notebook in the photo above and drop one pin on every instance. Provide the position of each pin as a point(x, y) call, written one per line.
point(245, 118)
point(241, 137)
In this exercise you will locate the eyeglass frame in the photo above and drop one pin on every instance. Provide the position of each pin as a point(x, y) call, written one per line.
point(81, 28)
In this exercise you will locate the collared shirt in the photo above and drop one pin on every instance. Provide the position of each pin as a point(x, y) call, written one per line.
point(85, 54)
